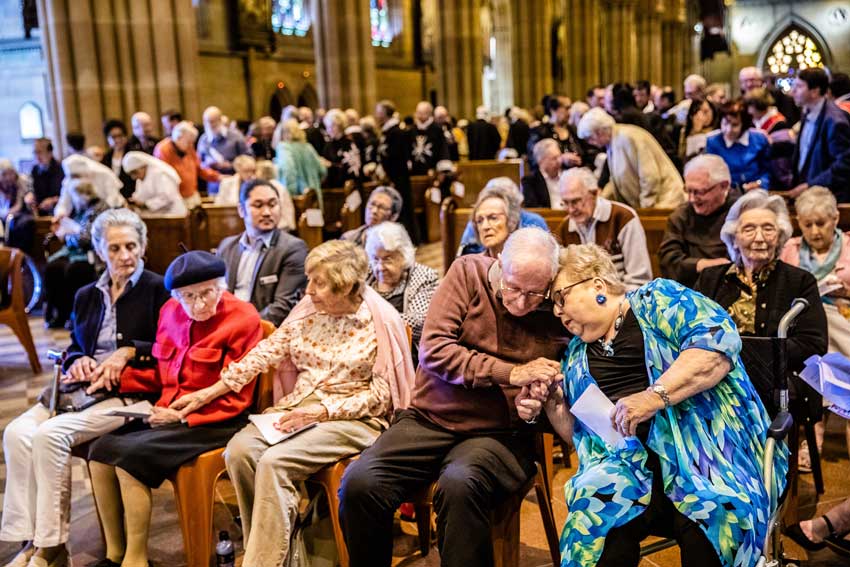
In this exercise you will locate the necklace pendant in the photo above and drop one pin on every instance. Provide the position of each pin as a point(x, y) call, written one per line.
point(607, 349)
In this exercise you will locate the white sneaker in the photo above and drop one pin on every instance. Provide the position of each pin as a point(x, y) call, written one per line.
point(61, 560)
point(22, 558)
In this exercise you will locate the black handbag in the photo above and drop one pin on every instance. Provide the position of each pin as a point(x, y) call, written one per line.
point(73, 397)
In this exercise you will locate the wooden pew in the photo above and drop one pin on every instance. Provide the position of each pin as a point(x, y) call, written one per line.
point(312, 235)
point(213, 223)
point(654, 223)
point(475, 174)
point(165, 234)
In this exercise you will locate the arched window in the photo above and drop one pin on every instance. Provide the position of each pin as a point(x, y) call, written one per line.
point(382, 34)
point(794, 51)
point(290, 17)
point(30, 121)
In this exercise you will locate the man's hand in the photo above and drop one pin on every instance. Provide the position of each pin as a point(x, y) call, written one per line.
point(81, 370)
point(795, 192)
point(108, 373)
point(190, 402)
point(751, 185)
point(538, 370)
point(529, 401)
point(300, 417)
point(570, 159)
point(635, 409)
point(163, 416)
point(711, 262)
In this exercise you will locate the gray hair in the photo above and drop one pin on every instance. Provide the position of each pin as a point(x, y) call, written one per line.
point(113, 218)
point(754, 200)
point(589, 261)
point(395, 199)
point(695, 80)
point(335, 116)
point(718, 171)
point(530, 243)
point(543, 146)
point(594, 121)
point(814, 200)
point(5, 164)
point(582, 175)
point(392, 237)
point(504, 189)
point(182, 128)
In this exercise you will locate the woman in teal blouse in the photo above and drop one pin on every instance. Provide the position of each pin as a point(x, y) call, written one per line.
point(690, 464)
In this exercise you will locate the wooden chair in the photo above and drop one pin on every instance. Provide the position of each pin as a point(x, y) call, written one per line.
point(13, 310)
point(194, 483)
point(312, 235)
point(351, 219)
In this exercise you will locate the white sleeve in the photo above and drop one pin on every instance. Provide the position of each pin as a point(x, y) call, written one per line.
point(635, 254)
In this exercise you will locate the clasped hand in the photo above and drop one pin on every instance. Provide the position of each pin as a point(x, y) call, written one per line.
point(297, 418)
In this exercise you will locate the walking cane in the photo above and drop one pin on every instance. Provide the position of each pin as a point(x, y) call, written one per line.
point(58, 357)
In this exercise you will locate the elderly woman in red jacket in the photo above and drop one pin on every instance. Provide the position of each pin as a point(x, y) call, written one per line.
point(202, 329)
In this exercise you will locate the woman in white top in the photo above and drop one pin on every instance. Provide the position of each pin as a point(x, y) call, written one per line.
point(157, 184)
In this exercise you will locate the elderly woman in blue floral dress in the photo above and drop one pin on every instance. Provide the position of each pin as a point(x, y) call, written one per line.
point(694, 428)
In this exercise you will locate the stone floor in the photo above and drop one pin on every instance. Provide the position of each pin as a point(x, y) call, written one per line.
point(19, 389)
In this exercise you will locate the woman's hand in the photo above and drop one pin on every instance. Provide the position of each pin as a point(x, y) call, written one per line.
point(108, 373)
point(190, 402)
point(635, 409)
point(80, 370)
point(163, 416)
point(297, 418)
point(528, 405)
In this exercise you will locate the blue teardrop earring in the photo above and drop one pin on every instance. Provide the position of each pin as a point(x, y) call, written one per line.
point(601, 299)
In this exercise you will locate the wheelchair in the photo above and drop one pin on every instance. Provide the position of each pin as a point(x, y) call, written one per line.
point(764, 359)
point(30, 273)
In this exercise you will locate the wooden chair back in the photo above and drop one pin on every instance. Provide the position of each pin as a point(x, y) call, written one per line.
point(13, 308)
point(213, 223)
point(165, 234)
point(264, 393)
point(475, 174)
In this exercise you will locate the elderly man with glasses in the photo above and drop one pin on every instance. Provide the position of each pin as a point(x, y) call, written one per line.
point(489, 331)
point(692, 240)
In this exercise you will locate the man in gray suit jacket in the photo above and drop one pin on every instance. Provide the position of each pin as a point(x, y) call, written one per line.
point(265, 266)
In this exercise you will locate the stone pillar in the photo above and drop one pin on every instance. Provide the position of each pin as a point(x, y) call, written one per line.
point(580, 46)
point(619, 42)
point(649, 40)
point(109, 59)
point(675, 44)
point(345, 61)
point(532, 51)
point(458, 57)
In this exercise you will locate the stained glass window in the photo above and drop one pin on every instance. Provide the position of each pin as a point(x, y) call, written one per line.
point(790, 54)
point(382, 35)
point(290, 17)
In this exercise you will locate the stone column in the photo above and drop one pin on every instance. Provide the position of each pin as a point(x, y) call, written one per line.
point(109, 59)
point(675, 44)
point(619, 42)
point(345, 61)
point(649, 40)
point(580, 46)
point(532, 51)
point(458, 57)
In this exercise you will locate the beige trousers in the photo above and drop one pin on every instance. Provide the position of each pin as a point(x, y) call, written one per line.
point(264, 478)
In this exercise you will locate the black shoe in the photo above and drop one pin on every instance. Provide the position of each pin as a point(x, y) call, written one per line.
point(796, 534)
point(54, 323)
point(105, 563)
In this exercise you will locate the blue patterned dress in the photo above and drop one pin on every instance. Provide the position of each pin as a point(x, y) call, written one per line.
point(710, 446)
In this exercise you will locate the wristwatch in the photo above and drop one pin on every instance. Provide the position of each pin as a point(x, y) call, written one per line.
point(662, 393)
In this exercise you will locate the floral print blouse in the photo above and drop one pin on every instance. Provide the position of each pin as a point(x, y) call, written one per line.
point(334, 356)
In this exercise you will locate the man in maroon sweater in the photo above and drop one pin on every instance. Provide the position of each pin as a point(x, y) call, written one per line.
point(489, 331)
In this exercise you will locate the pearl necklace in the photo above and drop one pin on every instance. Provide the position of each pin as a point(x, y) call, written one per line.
point(608, 346)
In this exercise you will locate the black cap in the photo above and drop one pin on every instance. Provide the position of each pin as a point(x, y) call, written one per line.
point(193, 267)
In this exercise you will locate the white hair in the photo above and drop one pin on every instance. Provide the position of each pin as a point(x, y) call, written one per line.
point(391, 237)
point(751, 71)
point(335, 116)
point(543, 146)
point(816, 199)
point(594, 121)
point(183, 128)
point(577, 110)
point(505, 190)
point(140, 116)
point(211, 110)
point(530, 243)
point(696, 81)
point(482, 113)
point(754, 200)
point(5, 164)
point(112, 218)
point(582, 175)
point(718, 171)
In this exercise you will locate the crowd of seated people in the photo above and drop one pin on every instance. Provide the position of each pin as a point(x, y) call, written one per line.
point(523, 322)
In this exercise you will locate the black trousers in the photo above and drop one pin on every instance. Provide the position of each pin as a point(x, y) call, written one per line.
point(473, 473)
point(61, 282)
point(661, 518)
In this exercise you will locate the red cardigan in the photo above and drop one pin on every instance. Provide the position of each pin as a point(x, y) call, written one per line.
point(188, 166)
point(191, 355)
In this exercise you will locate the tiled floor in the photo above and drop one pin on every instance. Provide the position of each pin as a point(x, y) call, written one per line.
point(19, 389)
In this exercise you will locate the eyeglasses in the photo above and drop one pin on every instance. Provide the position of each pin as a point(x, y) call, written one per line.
point(379, 207)
point(489, 219)
point(206, 296)
point(510, 291)
point(560, 295)
point(572, 203)
point(767, 230)
point(703, 192)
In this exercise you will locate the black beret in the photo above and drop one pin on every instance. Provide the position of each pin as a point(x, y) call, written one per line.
point(193, 267)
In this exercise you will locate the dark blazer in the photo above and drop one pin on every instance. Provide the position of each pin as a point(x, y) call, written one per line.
point(808, 336)
point(483, 140)
point(279, 278)
point(535, 192)
point(828, 160)
point(136, 313)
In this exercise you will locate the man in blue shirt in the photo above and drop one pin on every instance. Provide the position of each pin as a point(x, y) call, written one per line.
point(219, 145)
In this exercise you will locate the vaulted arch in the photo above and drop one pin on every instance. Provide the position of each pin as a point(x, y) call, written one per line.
point(793, 46)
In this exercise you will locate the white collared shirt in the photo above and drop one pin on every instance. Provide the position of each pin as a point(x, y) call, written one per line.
point(251, 249)
point(552, 186)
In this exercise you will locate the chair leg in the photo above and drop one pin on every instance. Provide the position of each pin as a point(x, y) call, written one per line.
point(423, 526)
point(194, 495)
point(544, 501)
point(332, 493)
point(814, 456)
point(548, 457)
point(21, 328)
point(506, 534)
